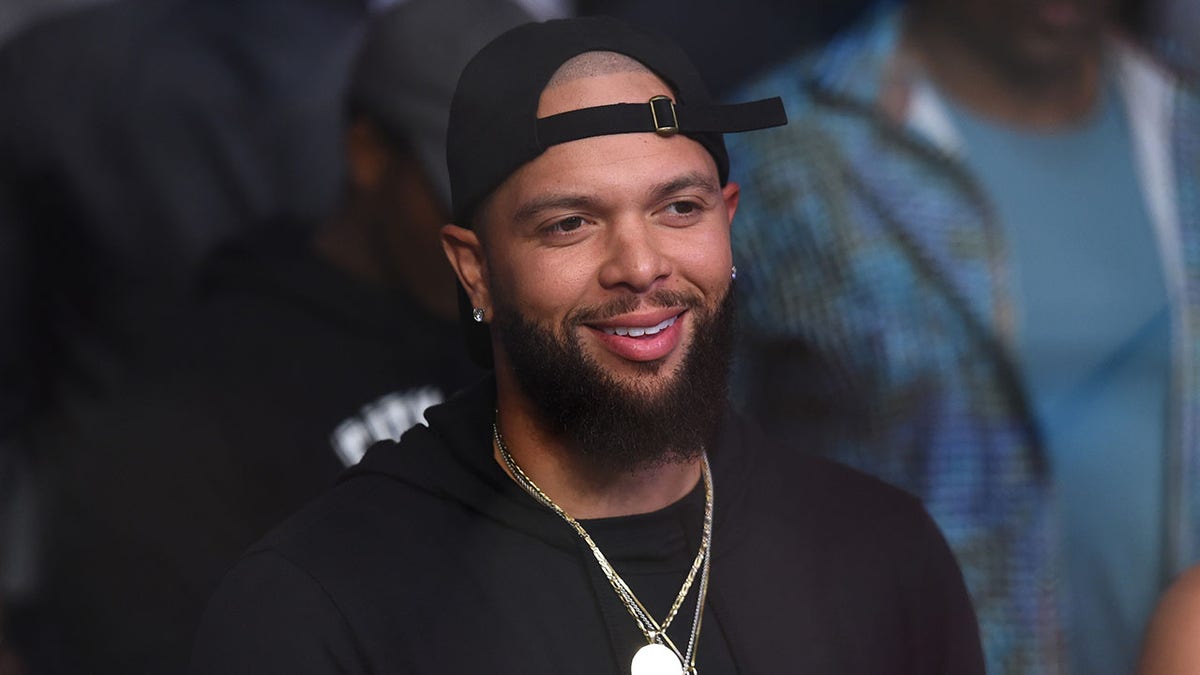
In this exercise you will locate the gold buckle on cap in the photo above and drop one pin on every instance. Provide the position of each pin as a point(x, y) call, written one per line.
point(662, 128)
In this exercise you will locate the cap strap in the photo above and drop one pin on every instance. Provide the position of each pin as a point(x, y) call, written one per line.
point(659, 115)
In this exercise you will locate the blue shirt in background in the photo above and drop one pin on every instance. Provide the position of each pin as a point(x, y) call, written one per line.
point(1094, 347)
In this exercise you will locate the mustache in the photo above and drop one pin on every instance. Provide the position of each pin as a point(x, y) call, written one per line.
point(661, 299)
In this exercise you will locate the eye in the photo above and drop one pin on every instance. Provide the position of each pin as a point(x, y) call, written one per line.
point(565, 225)
point(564, 230)
point(683, 211)
point(683, 208)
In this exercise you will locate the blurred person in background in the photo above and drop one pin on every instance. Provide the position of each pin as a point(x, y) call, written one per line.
point(972, 267)
point(294, 353)
point(752, 33)
point(137, 136)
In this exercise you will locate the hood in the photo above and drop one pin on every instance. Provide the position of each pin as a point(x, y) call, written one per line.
point(452, 459)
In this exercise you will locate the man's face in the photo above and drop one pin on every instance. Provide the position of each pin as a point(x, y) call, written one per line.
point(608, 263)
point(1034, 38)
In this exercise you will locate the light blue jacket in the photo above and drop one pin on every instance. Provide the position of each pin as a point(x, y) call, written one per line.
point(877, 321)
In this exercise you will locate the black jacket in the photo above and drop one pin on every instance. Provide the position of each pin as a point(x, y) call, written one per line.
point(426, 558)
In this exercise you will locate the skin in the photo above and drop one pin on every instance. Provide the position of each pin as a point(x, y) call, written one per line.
point(1031, 63)
point(1171, 646)
point(586, 223)
point(387, 233)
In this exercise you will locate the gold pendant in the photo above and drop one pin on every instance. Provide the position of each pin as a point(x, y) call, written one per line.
point(656, 659)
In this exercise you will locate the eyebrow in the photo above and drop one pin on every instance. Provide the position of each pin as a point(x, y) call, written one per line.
point(687, 181)
point(534, 206)
point(693, 180)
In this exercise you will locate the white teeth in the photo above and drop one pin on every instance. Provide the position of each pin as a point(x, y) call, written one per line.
point(639, 332)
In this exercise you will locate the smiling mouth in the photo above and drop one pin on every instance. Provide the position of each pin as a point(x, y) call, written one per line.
point(641, 331)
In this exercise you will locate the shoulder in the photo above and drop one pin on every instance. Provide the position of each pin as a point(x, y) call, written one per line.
point(850, 501)
point(312, 595)
point(1171, 647)
point(360, 508)
point(788, 80)
point(792, 176)
point(826, 494)
point(270, 615)
point(860, 552)
point(400, 508)
point(853, 517)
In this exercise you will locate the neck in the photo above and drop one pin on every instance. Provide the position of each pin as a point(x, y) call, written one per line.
point(358, 246)
point(1034, 98)
point(345, 245)
point(571, 482)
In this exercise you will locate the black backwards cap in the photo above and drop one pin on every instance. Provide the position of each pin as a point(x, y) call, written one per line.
point(494, 129)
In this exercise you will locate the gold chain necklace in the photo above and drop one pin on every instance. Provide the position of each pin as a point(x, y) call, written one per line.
point(660, 655)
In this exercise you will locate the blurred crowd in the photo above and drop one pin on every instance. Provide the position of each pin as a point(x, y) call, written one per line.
point(970, 265)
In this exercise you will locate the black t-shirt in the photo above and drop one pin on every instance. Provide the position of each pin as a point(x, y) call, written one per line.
point(653, 553)
point(426, 558)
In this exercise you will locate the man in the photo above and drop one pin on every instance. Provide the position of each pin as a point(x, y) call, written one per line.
point(563, 517)
point(137, 137)
point(971, 270)
point(297, 354)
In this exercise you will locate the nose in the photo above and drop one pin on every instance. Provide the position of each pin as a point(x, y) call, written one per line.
point(634, 257)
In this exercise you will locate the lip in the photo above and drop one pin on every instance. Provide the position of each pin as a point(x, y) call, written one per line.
point(646, 347)
point(644, 319)
point(1059, 15)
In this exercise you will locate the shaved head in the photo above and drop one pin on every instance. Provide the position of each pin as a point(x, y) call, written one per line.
point(593, 64)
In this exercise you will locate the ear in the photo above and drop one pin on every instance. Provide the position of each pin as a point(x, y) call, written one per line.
point(465, 253)
point(732, 192)
point(367, 156)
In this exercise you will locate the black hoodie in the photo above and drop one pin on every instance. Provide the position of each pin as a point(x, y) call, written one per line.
point(427, 558)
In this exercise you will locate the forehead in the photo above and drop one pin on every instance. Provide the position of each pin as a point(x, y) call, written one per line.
point(605, 174)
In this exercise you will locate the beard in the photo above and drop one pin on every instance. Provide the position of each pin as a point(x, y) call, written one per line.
point(615, 425)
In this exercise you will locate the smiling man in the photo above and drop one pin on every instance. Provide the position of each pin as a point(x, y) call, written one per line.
point(594, 505)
